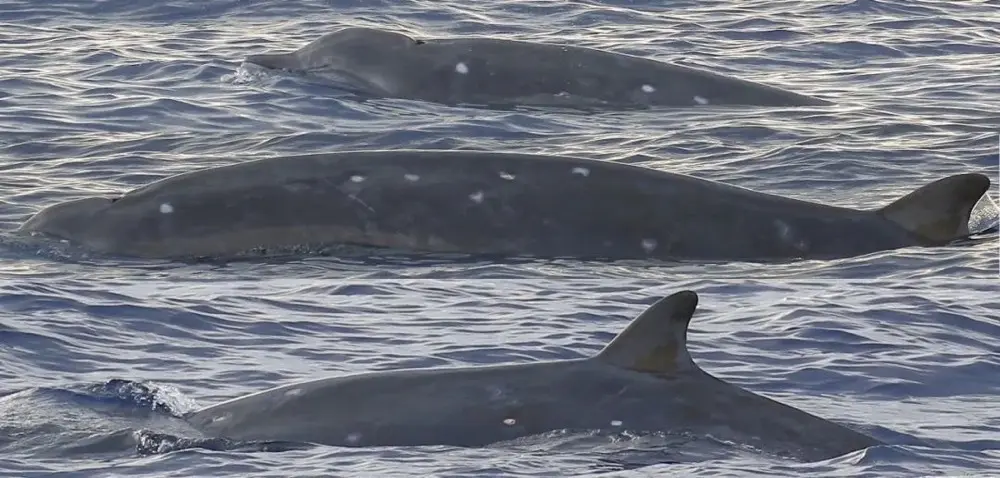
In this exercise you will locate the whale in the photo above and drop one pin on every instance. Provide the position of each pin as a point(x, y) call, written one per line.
point(502, 72)
point(481, 203)
point(643, 381)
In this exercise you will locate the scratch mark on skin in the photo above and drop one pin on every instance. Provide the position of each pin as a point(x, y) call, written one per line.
point(357, 200)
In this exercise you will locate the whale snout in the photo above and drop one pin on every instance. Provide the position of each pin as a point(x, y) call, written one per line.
point(70, 220)
point(278, 61)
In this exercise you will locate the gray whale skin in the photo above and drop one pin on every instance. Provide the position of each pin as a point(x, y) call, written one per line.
point(490, 203)
point(644, 380)
point(477, 70)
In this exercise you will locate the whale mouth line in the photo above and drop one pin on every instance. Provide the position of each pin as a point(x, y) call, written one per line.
point(274, 61)
point(275, 67)
point(338, 77)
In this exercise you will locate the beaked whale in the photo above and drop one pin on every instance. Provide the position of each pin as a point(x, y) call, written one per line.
point(490, 203)
point(476, 70)
point(643, 381)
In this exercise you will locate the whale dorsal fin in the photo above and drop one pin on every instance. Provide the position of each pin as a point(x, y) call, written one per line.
point(938, 213)
point(656, 341)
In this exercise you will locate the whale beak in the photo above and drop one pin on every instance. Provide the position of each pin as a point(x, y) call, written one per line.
point(278, 61)
point(67, 219)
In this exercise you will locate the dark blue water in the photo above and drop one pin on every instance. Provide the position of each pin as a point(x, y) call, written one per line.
point(97, 358)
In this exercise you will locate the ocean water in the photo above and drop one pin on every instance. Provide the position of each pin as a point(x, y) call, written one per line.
point(97, 356)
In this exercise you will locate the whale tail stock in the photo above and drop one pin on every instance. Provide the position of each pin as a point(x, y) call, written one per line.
point(655, 342)
point(939, 212)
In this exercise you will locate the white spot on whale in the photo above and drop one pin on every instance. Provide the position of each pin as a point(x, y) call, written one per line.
point(476, 196)
point(509, 421)
point(700, 100)
point(648, 245)
point(616, 423)
point(353, 438)
point(581, 171)
point(221, 418)
point(411, 177)
point(166, 208)
point(506, 175)
point(293, 392)
point(357, 178)
point(648, 88)
point(461, 68)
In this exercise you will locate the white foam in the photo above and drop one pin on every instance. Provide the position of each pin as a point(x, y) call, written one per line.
point(700, 100)
point(509, 421)
point(357, 178)
point(581, 171)
point(476, 196)
point(166, 208)
point(411, 177)
point(648, 88)
point(462, 69)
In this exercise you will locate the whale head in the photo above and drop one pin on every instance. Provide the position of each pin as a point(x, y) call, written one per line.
point(77, 221)
point(361, 57)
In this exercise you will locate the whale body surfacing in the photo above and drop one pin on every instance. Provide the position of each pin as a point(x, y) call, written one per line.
point(643, 381)
point(491, 71)
point(490, 203)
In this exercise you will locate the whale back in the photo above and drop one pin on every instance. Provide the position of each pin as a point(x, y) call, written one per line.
point(472, 202)
point(497, 71)
point(643, 380)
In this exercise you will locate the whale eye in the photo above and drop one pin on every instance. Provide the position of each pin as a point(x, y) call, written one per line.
point(115, 199)
point(419, 42)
